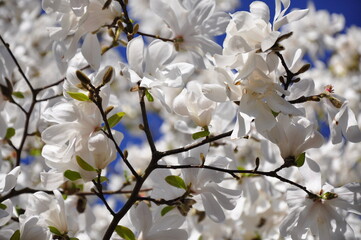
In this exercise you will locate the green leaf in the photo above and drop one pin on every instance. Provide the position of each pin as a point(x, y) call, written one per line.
point(103, 179)
point(201, 134)
point(124, 232)
point(10, 132)
point(149, 96)
point(275, 114)
point(300, 159)
point(176, 181)
point(55, 231)
point(166, 209)
point(16, 235)
point(72, 175)
point(19, 210)
point(73, 238)
point(18, 94)
point(114, 120)
point(3, 206)
point(78, 96)
point(35, 152)
point(84, 165)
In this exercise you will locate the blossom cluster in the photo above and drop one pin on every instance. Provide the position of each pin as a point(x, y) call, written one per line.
point(254, 141)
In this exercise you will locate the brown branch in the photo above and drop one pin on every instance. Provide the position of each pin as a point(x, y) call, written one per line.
point(155, 36)
point(195, 145)
point(146, 127)
point(232, 172)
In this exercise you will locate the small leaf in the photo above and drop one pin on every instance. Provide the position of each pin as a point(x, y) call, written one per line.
point(84, 165)
point(10, 132)
point(35, 152)
point(124, 232)
point(19, 210)
point(3, 206)
point(166, 209)
point(18, 94)
point(103, 179)
point(16, 235)
point(78, 96)
point(149, 96)
point(74, 238)
point(275, 114)
point(72, 175)
point(114, 120)
point(55, 231)
point(176, 181)
point(201, 134)
point(300, 159)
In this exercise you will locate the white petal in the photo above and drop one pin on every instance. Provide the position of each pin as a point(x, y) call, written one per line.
point(135, 53)
point(260, 10)
point(91, 50)
point(9, 181)
point(212, 207)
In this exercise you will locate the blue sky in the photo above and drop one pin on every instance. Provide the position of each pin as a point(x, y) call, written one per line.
point(351, 9)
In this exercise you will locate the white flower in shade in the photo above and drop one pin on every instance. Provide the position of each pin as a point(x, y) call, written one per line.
point(324, 213)
point(30, 229)
point(76, 132)
point(77, 18)
point(44, 210)
point(206, 187)
point(152, 226)
point(8, 181)
point(294, 136)
point(341, 119)
point(192, 103)
point(152, 68)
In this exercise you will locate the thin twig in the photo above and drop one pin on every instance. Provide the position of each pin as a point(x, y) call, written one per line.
point(146, 129)
point(17, 64)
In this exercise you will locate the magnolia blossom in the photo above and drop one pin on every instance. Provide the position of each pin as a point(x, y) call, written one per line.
point(76, 132)
point(323, 214)
point(342, 120)
point(250, 33)
point(45, 210)
point(151, 226)
point(206, 187)
point(78, 18)
point(258, 95)
point(192, 103)
point(192, 23)
point(152, 67)
point(294, 136)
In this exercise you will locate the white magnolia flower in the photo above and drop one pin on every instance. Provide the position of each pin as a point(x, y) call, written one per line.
point(206, 187)
point(77, 18)
point(44, 210)
point(76, 132)
point(192, 103)
point(258, 95)
point(8, 181)
point(192, 23)
point(341, 119)
point(294, 136)
point(251, 33)
point(152, 226)
point(324, 213)
point(152, 68)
